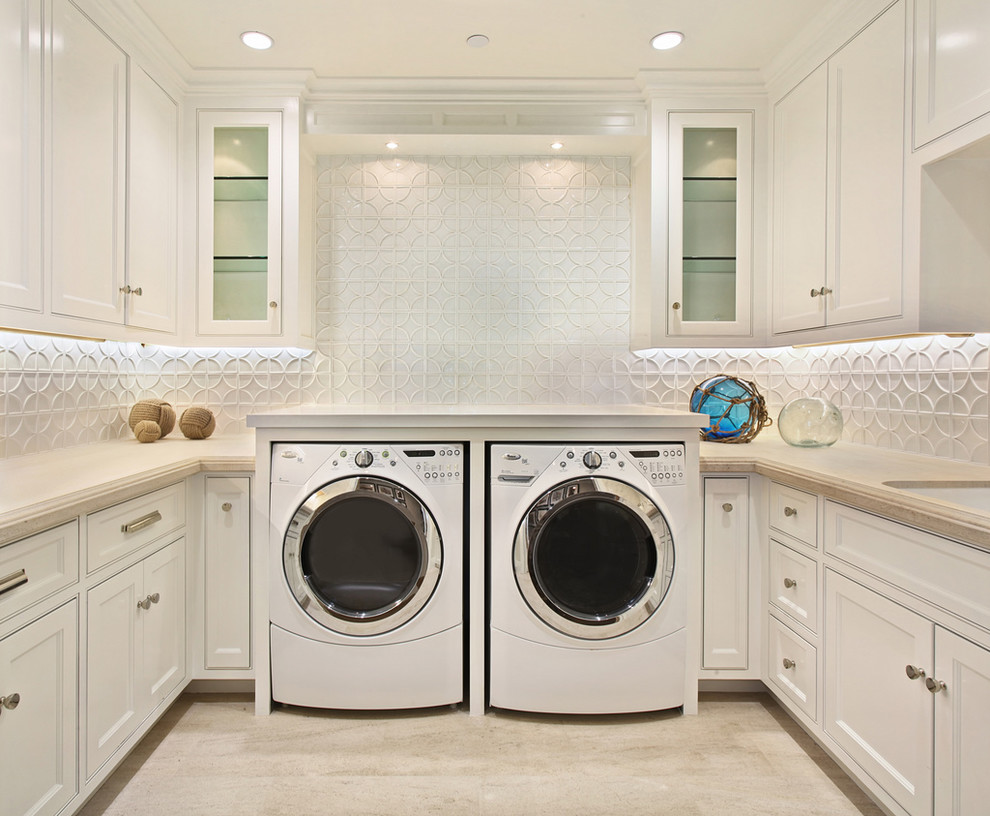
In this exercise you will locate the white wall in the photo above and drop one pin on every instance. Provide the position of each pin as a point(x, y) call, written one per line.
point(484, 280)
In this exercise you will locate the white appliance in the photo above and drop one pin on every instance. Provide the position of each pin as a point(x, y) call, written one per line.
point(588, 598)
point(366, 566)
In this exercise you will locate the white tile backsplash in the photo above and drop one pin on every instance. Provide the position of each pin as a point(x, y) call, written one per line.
point(466, 280)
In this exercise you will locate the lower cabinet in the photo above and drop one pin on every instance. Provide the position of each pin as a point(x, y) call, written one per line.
point(877, 708)
point(890, 669)
point(726, 610)
point(227, 574)
point(136, 648)
point(38, 714)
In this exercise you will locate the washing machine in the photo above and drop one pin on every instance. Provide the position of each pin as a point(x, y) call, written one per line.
point(366, 575)
point(588, 594)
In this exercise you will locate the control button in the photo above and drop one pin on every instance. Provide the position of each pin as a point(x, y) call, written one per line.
point(364, 459)
point(512, 457)
point(592, 460)
point(612, 455)
point(570, 454)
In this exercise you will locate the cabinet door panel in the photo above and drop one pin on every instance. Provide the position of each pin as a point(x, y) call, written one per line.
point(800, 134)
point(163, 665)
point(866, 169)
point(112, 639)
point(20, 139)
point(726, 571)
point(151, 204)
point(962, 735)
point(951, 65)
point(89, 86)
point(228, 573)
point(873, 710)
point(38, 737)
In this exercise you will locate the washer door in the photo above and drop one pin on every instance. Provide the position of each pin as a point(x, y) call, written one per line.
point(362, 556)
point(594, 557)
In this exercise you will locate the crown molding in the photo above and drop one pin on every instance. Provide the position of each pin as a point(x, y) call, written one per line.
point(700, 83)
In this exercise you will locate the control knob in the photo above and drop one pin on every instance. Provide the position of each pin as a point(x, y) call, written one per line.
point(592, 460)
point(364, 459)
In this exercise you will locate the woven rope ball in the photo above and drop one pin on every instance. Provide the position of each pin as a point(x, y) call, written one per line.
point(197, 422)
point(147, 430)
point(154, 410)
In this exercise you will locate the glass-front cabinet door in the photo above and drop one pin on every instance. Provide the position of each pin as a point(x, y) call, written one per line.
point(240, 222)
point(710, 235)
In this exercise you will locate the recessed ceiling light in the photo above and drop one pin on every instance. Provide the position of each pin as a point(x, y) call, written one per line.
point(478, 41)
point(558, 145)
point(256, 40)
point(667, 40)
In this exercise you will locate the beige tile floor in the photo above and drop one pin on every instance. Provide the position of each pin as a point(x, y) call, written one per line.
point(741, 755)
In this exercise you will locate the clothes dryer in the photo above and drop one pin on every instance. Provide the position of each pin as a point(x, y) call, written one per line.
point(366, 575)
point(588, 595)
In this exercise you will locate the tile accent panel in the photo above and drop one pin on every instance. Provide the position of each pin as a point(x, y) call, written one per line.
point(466, 280)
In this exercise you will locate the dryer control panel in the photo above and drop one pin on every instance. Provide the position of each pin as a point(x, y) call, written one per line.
point(431, 463)
point(661, 463)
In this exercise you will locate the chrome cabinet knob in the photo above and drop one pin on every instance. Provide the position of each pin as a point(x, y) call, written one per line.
point(790, 511)
point(10, 702)
point(933, 685)
point(727, 507)
point(789, 664)
point(790, 583)
point(226, 507)
point(148, 601)
point(675, 306)
point(913, 672)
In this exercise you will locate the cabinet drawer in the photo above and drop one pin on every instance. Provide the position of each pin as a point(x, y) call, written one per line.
point(946, 573)
point(792, 666)
point(794, 584)
point(125, 527)
point(795, 513)
point(35, 567)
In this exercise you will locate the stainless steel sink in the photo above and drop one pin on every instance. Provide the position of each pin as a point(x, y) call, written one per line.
point(975, 495)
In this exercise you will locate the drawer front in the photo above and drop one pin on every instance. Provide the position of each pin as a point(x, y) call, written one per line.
point(125, 527)
point(35, 567)
point(792, 666)
point(946, 573)
point(795, 513)
point(794, 584)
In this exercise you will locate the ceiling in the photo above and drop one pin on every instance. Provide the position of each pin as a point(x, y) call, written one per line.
point(529, 39)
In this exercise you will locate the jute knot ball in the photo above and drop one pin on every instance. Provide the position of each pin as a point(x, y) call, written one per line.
point(147, 430)
point(155, 410)
point(197, 422)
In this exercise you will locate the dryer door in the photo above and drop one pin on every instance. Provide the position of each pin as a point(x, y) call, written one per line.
point(362, 555)
point(594, 557)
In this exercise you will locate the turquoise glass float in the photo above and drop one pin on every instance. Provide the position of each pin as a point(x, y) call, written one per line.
point(810, 422)
point(737, 410)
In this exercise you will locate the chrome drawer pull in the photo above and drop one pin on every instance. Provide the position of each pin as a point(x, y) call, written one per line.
point(790, 511)
point(934, 685)
point(12, 581)
point(790, 583)
point(913, 672)
point(788, 663)
point(141, 523)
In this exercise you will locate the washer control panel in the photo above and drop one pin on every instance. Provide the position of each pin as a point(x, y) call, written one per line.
point(662, 464)
point(432, 463)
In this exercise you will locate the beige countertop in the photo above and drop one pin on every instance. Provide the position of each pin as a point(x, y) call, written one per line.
point(855, 474)
point(44, 489)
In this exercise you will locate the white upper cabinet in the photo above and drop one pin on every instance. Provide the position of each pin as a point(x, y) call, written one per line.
point(838, 186)
point(710, 226)
point(252, 265)
point(951, 65)
point(151, 204)
point(240, 222)
point(110, 189)
point(87, 184)
point(20, 142)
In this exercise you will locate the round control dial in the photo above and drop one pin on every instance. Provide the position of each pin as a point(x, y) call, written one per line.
point(592, 460)
point(364, 459)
